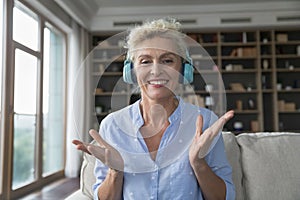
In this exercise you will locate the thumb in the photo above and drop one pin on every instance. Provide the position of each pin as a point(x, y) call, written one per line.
point(96, 136)
point(199, 125)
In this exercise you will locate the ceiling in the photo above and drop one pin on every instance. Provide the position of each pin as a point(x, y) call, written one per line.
point(129, 3)
point(98, 15)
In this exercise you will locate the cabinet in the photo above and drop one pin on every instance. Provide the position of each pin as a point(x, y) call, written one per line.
point(286, 57)
point(260, 70)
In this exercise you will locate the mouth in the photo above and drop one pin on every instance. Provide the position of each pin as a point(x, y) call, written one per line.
point(158, 82)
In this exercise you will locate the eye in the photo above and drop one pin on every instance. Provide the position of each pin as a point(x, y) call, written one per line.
point(145, 61)
point(167, 61)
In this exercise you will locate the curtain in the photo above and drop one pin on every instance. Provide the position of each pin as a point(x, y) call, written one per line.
point(78, 97)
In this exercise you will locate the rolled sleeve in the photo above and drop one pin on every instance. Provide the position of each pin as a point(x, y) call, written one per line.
point(217, 160)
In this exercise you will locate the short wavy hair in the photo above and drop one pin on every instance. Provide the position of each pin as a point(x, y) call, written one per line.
point(165, 28)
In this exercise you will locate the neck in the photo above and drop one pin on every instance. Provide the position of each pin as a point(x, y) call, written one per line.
point(157, 109)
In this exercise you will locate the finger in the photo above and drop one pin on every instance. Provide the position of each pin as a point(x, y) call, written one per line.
point(77, 142)
point(228, 115)
point(199, 125)
point(82, 148)
point(218, 125)
point(96, 136)
point(97, 151)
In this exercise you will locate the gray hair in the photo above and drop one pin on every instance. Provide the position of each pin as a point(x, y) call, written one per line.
point(165, 28)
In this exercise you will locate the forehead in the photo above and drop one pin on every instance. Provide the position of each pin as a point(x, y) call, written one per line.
point(151, 52)
point(156, 45)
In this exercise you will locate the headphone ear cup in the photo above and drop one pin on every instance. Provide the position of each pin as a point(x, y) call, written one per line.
point(128, 74)
point(188, 72)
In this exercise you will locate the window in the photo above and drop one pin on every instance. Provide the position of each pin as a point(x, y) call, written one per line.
point(25, 32)
point(24, 118)
point(25, 27)
point(53, 90)
point(38, 99)
point(33, 69)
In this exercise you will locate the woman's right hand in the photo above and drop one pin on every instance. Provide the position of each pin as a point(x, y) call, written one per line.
point(104, 152)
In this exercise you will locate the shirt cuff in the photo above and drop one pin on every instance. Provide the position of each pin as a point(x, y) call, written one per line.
point(230, 191)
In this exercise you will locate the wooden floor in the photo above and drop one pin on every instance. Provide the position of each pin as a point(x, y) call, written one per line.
point(56, 191)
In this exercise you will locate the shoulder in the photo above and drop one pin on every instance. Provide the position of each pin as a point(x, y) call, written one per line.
point(122, 120)
point(206, 113)
point(117, 116)
point(209, 117)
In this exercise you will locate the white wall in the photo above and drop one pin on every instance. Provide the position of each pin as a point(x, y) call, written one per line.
point(206, 16)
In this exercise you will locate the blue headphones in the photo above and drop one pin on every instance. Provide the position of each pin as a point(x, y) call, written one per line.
point(186, 78)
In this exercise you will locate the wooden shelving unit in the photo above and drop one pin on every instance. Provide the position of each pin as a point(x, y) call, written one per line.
point(266, 63)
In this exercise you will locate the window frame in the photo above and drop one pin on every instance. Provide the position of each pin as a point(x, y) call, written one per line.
point(10, 46)
point(2, 28)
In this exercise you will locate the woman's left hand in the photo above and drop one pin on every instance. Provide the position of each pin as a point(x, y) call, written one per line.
point(202, 141)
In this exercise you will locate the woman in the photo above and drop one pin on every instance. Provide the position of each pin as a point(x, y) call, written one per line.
point(141, 152)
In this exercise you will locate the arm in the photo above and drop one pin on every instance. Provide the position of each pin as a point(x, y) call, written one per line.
point(108, 168)
point(111, 187)
point(211, 184)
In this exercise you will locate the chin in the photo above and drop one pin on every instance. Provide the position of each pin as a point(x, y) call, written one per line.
point(162, 94)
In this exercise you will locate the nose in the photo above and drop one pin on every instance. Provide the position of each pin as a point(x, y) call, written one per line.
point(156, 69)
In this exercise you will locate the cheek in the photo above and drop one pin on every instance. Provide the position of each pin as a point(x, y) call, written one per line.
point(175, 73)
point(141, 74)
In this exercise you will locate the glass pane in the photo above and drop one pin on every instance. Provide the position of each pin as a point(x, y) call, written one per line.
point(53, 116)
point(25, 27)
point(24, 118)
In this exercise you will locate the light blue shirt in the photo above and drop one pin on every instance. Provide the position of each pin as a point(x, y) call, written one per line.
point(170, 176)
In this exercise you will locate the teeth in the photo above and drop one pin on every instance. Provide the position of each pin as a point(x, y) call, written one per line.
point(160, 82)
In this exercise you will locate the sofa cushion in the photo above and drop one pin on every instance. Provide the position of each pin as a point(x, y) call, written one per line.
point(233, 156)
point(271, 165)
point(87, 178)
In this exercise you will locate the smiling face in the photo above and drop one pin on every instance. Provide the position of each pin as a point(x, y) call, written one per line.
point(157, 68)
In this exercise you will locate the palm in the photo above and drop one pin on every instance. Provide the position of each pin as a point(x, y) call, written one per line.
point(202, 141)
point(104, 152)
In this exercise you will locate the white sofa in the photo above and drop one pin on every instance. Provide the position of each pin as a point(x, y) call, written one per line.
point(266, 166)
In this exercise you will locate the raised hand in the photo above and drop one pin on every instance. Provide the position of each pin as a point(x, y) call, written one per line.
point(104, 152)
point(202, 141)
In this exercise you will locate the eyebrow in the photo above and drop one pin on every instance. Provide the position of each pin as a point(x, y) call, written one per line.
point(162, 55)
